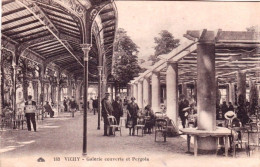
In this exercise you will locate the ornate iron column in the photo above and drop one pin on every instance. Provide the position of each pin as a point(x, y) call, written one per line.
point(14, 92)
point(86, 48)
point(99, 93)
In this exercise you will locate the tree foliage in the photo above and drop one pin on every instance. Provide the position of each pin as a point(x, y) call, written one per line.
point(165, 43)
point(125, 59)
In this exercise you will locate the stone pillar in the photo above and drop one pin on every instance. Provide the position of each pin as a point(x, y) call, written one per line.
point(241, 85)
point(140, 94)
point(132, 90)
point(231, 93)
point(135, 91)
point(172, 91)
point(146, 87)
point(184, 90)
point(156, 91)
point(206, 94)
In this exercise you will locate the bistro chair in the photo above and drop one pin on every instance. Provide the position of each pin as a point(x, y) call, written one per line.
point(112, 123)
point(240, 137)
point(140, 125)
point(161, 127)
point(158, 114)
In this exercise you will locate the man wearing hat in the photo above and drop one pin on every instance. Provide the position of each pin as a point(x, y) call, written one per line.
point(107, 110)
point(30, 109)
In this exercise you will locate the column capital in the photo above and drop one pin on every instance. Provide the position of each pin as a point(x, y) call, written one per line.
point(99, 68)
point(156, 72)
point(141, 80)
point(147, 77)
point(86, 48)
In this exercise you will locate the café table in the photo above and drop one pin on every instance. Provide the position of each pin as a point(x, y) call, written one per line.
point(219, 132)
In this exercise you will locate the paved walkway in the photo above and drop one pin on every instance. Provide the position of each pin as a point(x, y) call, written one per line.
point(61, 137)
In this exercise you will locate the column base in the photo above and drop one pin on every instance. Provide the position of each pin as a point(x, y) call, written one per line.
point(207, 145)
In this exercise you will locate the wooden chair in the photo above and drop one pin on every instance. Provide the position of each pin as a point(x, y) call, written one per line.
point(161, 127)
point(112, 123)
point(140, 125)
point(240, 137)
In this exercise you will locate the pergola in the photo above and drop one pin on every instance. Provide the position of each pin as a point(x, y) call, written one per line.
point(72, 37)
point(209, 59)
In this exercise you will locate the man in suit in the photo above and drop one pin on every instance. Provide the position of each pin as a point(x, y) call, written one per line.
point(30, 109)
point(107, 110)
point(118, 109)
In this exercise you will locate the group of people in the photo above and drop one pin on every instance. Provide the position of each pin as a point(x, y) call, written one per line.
point(134, 114)
point(70, 105)
point(187, 111)
point(93, 105)
point(111, 109)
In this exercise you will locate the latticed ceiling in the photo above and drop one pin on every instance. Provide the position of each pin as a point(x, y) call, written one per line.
point(54, 34)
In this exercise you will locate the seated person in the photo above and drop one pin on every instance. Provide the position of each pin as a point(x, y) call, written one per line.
point(192, 115)
point(233, 122)
point(48, 109)
point(149, 118)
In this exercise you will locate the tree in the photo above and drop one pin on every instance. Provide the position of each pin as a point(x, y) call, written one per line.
point(252, 29)
point(165, 43)
point(125, 59)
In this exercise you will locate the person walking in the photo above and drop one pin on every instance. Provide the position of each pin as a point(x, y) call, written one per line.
point(65, 104)
point(117, 109)
point(90, 105)
point(73, 106)
point(48, 109)
point(95, 105)
point(107, 110)
point(132, 115)
point(30, 109)
point(183, 108)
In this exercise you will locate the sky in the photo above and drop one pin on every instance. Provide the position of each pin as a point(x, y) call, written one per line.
point(144, 20)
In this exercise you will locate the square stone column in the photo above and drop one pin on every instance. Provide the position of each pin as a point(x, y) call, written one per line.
point(172, 91)
point(241, 85)
point(135, 91)
point(231, 93)
point(155, 91)
point(206, 94)
point(140, 94)
point(146, 90)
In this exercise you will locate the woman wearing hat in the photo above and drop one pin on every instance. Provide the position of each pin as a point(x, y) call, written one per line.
point(132, 115)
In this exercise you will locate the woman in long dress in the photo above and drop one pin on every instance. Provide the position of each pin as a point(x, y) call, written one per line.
point(132, 115)
point(90, 105)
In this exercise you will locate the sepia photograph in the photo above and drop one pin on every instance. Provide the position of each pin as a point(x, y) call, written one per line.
point(86, 83)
